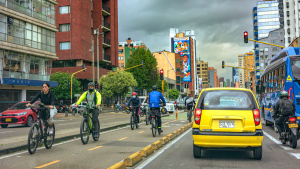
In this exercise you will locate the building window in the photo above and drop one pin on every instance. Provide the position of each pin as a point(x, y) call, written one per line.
point(120, 51)
point(64, 9)
point(288, 14)
point(119, 57)
point(92, 14)
point(64, 45)
point(289, 39)
point(177, 60)
point(287, 5)
point(288, 22)
point(122, 57)
point(64, 27)
point(122, 65)
point(177, 69)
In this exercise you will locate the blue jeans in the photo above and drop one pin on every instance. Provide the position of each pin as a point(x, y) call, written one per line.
point(119, 107)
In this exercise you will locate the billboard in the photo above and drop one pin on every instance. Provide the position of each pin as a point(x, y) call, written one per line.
point(182, 46)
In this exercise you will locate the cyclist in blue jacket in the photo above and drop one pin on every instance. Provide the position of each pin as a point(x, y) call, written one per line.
point(154, 98)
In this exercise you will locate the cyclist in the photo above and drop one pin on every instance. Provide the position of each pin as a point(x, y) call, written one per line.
point(189, 103)
point(93, 98)
point(284, 107)
point(136, 102)
point(47, 98)
point(119, 104)
point(154, 99)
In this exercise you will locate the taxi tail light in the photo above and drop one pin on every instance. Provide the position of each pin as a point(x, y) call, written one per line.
point(198, 113)
point(292, 119)
point(256, 116)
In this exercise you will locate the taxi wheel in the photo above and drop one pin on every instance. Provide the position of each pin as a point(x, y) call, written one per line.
point(257, 153)
point(197, 151)
point(4, 125)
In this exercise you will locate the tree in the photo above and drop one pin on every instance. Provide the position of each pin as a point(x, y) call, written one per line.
point(173, 93)
point(62, 91)
point(159, 85)
point(145, 76)
point(117, 83)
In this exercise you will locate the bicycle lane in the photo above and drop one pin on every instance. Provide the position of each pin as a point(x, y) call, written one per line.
point(112, 147)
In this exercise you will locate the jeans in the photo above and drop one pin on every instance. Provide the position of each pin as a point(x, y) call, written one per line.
point(119, 107)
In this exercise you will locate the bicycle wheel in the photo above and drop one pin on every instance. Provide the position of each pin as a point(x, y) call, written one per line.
point(33, 138)
point(49, 138)
point(84, 131)
point(132, 122)
point(153, 128)
point(98, 133)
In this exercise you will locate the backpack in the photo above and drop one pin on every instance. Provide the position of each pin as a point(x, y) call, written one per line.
point(286, 107)
point(189, 100)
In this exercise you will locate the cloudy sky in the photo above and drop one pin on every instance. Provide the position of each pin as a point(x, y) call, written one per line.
point(218, 26)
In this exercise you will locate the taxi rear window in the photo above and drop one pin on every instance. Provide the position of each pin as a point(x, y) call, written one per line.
point(226, 100)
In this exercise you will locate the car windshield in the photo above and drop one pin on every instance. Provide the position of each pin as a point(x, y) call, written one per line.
point(19, 106)
point(228, 99)
point(295, 63)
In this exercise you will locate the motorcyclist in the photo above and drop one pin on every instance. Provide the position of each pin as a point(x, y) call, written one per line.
point(136, 103)
point(284, 107)
point(154, 99)
point(93, 98)
point(189, 103)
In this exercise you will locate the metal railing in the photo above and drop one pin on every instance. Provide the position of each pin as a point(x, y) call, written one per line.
point(105, 40)
point(106, 57)
point(105, 8)
point(106, 24)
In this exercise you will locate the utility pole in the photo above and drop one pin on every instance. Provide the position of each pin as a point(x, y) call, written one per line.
point(98, 55)
point(93, 60)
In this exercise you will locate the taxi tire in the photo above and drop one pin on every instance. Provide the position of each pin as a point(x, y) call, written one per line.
point(257, 153)
point(196, 151)
point(4, 125)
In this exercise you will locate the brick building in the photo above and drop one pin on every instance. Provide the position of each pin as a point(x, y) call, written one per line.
point(76, 40)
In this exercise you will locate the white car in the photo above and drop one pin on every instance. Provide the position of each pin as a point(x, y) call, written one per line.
point(170, 107)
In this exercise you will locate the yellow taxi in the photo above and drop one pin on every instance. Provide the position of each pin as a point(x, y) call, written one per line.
point(227, 118)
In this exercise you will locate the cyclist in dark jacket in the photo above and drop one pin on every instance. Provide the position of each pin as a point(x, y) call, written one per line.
point(189, 103)
point(284, 107)
point(154, 99)
point(136, 103)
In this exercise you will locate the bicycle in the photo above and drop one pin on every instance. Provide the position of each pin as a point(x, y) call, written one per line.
point(86, 127)
point(36, 134)
point(133, 118)
point(116, 109)
point(154, 126)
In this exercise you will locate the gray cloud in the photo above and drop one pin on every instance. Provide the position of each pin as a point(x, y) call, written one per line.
point(218, 26)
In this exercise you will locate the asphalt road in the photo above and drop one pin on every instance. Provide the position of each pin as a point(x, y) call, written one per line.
point(180, 155)
point(112, 147)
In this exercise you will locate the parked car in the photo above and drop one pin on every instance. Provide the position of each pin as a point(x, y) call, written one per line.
point(181, 105)
point(18, 114)
point(170, 107)
point(81, 107)
point(223, 124)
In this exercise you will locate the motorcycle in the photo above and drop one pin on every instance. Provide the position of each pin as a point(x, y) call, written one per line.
point(62, 109)
point(128, 110)
point(289, 131)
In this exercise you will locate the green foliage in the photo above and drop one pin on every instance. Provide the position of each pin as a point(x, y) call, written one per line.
point(117, 83)
point(173, 93)
point(62, 91)
point(159, 85)
point(145, 76)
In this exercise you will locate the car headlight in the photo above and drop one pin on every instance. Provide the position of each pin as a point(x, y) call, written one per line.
point(21, 114)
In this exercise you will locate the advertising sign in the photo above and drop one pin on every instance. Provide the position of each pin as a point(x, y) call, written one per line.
point(182, 46)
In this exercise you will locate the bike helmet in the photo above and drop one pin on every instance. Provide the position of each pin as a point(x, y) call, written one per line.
point(134, 93)
point(154, 87)
point(283, 93)
point(91, 84)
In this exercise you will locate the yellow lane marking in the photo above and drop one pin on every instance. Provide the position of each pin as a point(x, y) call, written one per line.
point(45, 165)
point(141, 132)
point(95, 148)
point(123, 138)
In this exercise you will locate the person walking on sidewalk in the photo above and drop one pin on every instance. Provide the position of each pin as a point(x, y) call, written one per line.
point(93, 98)
point(47, 98)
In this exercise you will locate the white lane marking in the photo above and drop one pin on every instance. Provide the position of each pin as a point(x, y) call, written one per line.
point(272, 138)
point(68, 123)
point(286, 148)
point(161, 151)
point(297, 155)
point(6, 131)
point(59, 143)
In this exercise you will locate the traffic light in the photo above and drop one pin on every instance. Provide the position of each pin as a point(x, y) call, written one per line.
point(101, 86)
point(223, 63)
point(245, 37)
point(188, 85)
point(96, 86)
point(161, 74)
point(83, 67)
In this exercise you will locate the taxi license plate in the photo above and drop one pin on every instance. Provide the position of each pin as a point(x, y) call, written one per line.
point(226, 124)
point(293, 125)
point(8, 120)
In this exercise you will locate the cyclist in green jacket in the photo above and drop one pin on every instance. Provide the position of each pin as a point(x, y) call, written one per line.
point(93, 98)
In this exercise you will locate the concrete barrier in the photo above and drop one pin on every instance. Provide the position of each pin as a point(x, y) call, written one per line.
point(182, 129)
point(145, 152)
point(164, 140)
point(171, 136)
point(118, 165)
point(132, 160)
point(175, 133)
point(156, 145)
point(179, 131)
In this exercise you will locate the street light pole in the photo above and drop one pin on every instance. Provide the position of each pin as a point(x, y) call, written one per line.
point(98, 55)
point(93, 61)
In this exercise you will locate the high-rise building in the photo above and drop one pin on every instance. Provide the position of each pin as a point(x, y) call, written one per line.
point(77, 40)
point(184, 43)
point(211, 77)
point(202, 72)
point(267, 16)
point(249, 64)
point(228, 83)
point(241, 63)
point(27, 48)
point(126, 49)
point(291, 20)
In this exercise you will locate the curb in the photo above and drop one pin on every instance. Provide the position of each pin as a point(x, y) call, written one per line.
point(145, 152)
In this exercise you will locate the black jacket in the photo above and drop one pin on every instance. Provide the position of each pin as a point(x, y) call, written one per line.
point(278, 104)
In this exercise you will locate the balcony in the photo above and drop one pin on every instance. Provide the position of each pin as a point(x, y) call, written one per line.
point(106, 42)
point(106, 57)
point(105, 10)
point(106, 26)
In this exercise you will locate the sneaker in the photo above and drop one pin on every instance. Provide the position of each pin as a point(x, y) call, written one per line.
point(50, 130)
